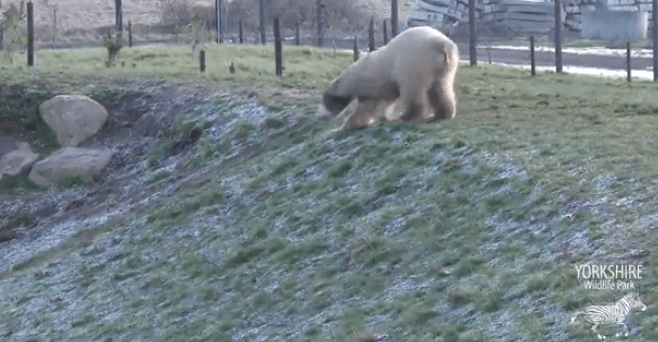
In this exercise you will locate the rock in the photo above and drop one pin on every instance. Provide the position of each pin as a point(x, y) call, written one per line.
point(147, 125)
point(15, 157)
point(73, 118)
point(70, 162)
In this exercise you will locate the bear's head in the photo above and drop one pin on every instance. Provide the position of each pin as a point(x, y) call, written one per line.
point(335, 104)
point(340, 93)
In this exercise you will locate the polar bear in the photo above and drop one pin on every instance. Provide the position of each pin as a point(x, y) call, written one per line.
point(415, 71)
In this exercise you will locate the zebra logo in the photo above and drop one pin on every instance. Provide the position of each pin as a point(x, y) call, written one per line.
point(611, 313)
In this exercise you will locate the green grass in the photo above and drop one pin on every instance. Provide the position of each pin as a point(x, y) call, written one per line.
point(424, 233)
point(18, 183)
point(306, 68)
point(19, 115)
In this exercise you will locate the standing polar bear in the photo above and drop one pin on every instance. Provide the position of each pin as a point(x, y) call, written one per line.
point(415, 70)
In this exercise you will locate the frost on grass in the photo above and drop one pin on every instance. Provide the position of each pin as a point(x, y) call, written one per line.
point(130, 177)
point(316, 236)
point(604, 183)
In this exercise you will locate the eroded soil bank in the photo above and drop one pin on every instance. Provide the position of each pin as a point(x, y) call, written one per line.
point(153, 129)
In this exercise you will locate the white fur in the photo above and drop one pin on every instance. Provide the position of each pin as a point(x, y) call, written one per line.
point(417, 61)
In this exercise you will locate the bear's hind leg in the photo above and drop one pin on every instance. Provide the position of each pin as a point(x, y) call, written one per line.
point(415, 98)
point(443, 101)
point(416, 111)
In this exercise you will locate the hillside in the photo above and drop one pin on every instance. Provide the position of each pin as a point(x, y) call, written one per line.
point(272, 228)
point(91, 14)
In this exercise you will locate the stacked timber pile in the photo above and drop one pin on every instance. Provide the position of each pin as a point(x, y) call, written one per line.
point(523, 16)
point(439, 12)
point(573, 10)
point(518, 15)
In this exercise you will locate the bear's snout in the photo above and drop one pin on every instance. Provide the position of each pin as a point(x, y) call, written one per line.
point(335, 104)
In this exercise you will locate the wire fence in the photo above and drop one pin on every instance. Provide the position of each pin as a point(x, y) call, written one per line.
point(509, 32)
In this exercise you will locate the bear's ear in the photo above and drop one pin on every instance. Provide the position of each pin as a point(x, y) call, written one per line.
point(335, 104)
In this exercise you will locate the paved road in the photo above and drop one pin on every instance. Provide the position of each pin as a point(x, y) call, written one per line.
point(547, 58)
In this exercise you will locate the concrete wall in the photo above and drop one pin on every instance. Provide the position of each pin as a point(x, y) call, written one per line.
point(614, 25)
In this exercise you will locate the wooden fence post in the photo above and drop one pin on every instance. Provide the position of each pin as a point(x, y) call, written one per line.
point(489, 51)
point(385, 33)
point(558, 36)
point(628, 61)
point(118, 24)
point(278, 60)
point(319, 8)
point(472, 39)
point(394, 18)
point(240, 30)
point(654, 38)
point(219, 21)
point(55, 24)
point(202, 60)
point(130, 34)
point(261, 9)
point(371, 34)
point(356, 49)
point(30, 34)
point(297, 33)
point(532, 55)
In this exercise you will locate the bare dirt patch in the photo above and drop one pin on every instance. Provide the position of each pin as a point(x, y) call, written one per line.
point(154, 129)
point(142, 114)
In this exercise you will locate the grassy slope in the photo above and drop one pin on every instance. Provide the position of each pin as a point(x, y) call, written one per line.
point(464, 231)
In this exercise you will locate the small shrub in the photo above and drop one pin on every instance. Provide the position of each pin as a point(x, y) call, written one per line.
point(272, 122)
point(13, 38)
point(113, 46)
